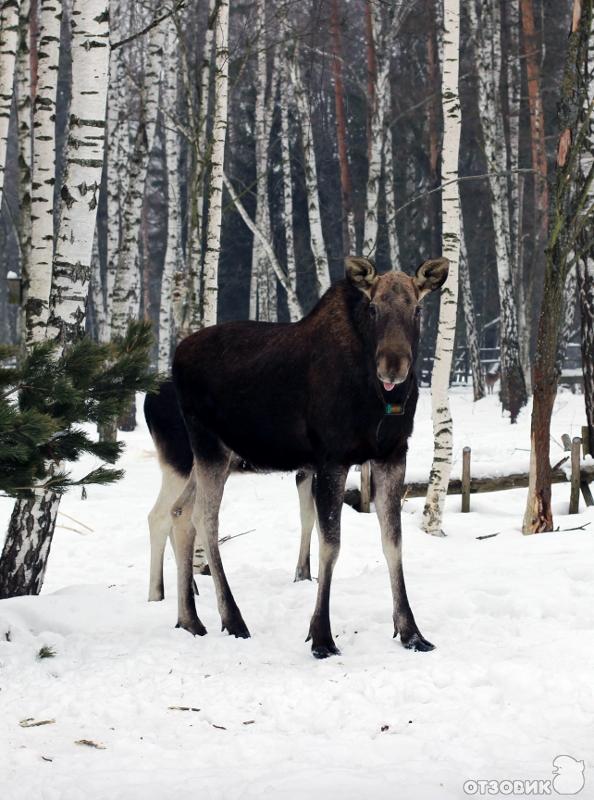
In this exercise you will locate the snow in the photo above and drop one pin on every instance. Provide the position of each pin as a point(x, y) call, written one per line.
point(508, 688)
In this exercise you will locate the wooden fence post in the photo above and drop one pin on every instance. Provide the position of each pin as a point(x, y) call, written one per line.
point(574, 497)
point(466, 480)
point(586, 449)
point(366, 487)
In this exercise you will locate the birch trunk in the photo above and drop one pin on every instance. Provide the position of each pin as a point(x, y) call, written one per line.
point(82, 180)
point(571, 215)
point(487, 33)
point(31, 528)
point(390, 191)
point(265, 307)
point(197, 194)
point(472, 340)
point(283, 278)
point(9, 43)
point(117, 144)
point(215, 187)
point(126, 292)
point(381, 46)
point(316, 236)
point(293, 303)
point(172, 254)
point(49, 14)
point(442, 418)
point(24, 121)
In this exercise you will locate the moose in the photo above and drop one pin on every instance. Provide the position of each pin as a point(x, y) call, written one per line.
point(335, 389)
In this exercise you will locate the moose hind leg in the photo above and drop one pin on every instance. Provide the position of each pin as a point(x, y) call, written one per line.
point(183, 538)
point(159, 520)
point(389, 481)
point(330, 483)
point(307, 514)
point(211, 479)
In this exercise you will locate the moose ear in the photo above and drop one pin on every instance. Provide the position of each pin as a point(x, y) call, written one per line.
point(361, 273)
point(431, 275)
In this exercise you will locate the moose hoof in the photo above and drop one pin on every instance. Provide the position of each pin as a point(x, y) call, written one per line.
point(195, 627)
point(236, 627)
point(302, 574)
point(417, 643)
point(324, 650)
point(203, 569)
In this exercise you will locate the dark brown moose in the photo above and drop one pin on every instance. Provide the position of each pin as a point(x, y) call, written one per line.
point(335, 389)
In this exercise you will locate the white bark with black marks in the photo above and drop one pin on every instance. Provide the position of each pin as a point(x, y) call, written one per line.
point(43, 176)
point(486, 29)
point(472, 339)
point(83, 166)
point(9, 42)
point(172, 253)
point(215, 188)
point(126, 292)
point(316, 235)
point(446, 333)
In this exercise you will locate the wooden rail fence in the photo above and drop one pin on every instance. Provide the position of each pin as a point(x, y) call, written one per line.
point(580, 478)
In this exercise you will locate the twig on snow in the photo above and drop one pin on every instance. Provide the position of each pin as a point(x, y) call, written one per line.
point(224, 539)
point(577, 528)
point(489, 535)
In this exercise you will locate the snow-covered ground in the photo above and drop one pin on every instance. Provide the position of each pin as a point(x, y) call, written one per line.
point(508, 688)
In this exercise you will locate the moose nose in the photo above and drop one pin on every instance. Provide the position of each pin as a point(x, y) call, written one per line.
point(392, 371)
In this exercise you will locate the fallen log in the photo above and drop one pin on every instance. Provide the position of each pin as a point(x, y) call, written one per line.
point(501, 483)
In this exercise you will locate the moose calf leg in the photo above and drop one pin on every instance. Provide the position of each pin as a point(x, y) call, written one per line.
point(330, 484)
point(389, 482)
point(183, 538)
point(211, 479)
point(307, 513)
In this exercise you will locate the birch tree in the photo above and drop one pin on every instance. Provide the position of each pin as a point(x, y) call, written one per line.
point(381, 43)
point(486, 29)
point(43, 176)
point(215, 187)
point(316, 236)
point(24, 126)
point(390, 191)
point(172, 253)
point(472, 340)
point(126, 292)
point(9, 42)
point(442, 418)
point(32, 523)
point(262, 302)
point(571, 220)
point(348, 234)
point(116, 146)
point(284, 95)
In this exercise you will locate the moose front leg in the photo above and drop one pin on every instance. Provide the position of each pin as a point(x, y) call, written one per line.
point(329, 497)
point(389, 482)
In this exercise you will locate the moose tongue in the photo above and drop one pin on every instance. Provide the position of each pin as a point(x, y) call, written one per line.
point(388, 386)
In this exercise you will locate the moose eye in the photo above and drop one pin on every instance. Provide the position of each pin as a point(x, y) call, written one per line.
point(417, 312)
point(373, 311)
